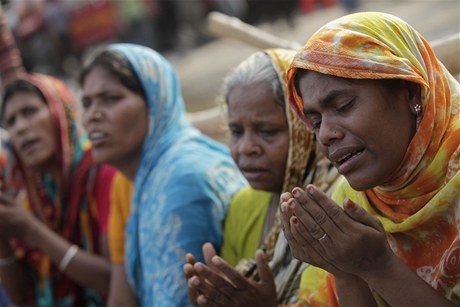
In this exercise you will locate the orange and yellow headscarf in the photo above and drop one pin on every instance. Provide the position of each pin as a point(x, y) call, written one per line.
point(420, 208)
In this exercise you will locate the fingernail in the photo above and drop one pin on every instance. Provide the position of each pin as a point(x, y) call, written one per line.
point(199, 267)
point(291, 203)
point(216, 260)
point(349, 204)
point(283, 207)
point(296, 192)
point(284, 197)
point(310, 189)
point(295, 220)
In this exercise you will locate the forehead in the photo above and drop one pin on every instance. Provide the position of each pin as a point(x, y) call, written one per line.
point(255, 100)
point(21, 99)
point(317, 88)
point(99, 78)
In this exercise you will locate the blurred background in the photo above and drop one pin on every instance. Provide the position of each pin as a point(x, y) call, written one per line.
point(55, 35)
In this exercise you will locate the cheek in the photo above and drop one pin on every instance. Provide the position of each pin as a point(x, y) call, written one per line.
point(280, 153)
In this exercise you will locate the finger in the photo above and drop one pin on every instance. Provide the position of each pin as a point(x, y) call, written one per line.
point(285, 214)
point(326, 213)
point(230, 273)
point(217, 287)
point(265, 273)
point(312, 228)
point(189, 258)
point(189, 271)
point(358, 214)
point(192, 284)
point(208, 252)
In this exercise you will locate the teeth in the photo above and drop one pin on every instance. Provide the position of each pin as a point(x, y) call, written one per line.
point(346, 156)
point(96, 135)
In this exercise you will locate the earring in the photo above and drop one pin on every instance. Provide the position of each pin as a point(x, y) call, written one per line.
point(418, 109)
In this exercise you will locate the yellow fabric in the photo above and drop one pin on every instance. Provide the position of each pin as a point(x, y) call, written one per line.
point(120, 206)
point(420, 208)
point(244, 224)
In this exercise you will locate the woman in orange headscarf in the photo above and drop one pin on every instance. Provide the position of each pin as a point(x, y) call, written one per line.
point(385, 111)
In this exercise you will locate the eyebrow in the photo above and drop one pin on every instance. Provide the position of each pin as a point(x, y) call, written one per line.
point(326, 101)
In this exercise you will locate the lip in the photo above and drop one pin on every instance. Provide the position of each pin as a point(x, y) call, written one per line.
point(346, 158)
point(253, 173)
point(97, 137)
point(29, 146)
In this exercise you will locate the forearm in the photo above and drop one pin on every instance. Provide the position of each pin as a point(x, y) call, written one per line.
point(13, 276)
point(89, 270)
point(394, 276)
point(353, 291)
point(120, 293)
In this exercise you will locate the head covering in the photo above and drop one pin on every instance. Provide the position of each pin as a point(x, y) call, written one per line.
point(182, 187)
point(64, 206)
point(304, 165)
point(419, 204)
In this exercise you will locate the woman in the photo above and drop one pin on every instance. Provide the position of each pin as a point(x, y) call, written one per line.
point(183, 181)
point(275, 152)
point(385, 111)
point(54, 252)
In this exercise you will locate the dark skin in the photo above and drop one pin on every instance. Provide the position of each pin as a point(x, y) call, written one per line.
point(219, 284)
point(350, 243)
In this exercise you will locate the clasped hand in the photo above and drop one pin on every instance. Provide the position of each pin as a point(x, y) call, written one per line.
point(341, 241)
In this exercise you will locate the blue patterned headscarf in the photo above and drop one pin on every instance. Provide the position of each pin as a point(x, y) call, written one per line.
point(182, 187)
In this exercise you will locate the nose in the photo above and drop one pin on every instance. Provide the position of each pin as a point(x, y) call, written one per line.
point(91, 114)
point(21, 125)
point(247, 145)
point(328, 131)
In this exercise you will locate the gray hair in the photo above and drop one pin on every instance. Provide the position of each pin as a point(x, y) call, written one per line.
point(258, 68)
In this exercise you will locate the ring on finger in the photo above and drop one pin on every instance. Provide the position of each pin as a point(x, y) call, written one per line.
point(322, 237)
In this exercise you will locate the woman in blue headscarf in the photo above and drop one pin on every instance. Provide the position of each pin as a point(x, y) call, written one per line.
point(135, 117)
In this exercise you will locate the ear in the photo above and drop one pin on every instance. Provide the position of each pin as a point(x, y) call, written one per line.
point(414, 97)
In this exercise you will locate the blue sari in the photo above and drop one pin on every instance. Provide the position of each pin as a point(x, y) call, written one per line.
point(182, 187)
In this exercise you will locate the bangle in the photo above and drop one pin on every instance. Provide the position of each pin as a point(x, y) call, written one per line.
point(69, 254)
point(8, 260)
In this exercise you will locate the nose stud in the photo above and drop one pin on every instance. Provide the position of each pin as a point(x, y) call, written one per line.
point(98, 115)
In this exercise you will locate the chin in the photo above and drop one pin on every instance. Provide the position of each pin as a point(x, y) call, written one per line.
point(101, 157)
point(359, 184)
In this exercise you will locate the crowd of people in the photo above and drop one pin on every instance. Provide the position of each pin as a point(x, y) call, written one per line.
point(340, 184)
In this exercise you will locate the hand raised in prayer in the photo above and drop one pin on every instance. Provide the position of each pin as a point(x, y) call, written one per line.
point(219, 284)
point(341, 241)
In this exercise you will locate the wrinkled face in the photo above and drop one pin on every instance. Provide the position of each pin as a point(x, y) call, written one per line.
point(259, 136)
point(30, 126)
point(360, 125)
point(115, 118)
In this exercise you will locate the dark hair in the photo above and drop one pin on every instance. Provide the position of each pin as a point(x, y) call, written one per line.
point(118, 66)
point(19, 86)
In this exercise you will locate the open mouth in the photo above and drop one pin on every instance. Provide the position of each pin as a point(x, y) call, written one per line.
point(27, 145)
point(348, 156)
point(97, 136)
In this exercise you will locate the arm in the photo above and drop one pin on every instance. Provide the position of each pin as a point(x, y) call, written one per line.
point(13, 276)
point(120, 291)
point(87, 269)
